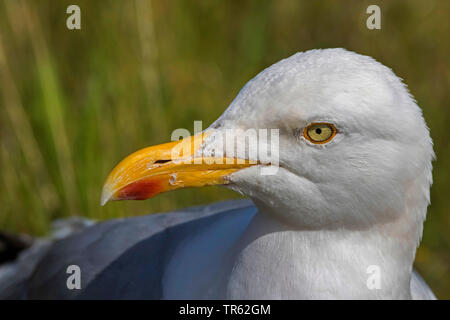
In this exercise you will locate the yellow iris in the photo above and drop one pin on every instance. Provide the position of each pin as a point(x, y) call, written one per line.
point(319, 132)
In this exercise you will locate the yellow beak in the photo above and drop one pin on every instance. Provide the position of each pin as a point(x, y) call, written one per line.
point(166, 167)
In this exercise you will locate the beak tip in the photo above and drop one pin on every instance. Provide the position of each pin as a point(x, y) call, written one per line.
point(106, 196)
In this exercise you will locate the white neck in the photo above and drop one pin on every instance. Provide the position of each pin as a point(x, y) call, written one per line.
point(322, 264)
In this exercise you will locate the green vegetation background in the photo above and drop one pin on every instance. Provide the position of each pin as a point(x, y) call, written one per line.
point(73, 103)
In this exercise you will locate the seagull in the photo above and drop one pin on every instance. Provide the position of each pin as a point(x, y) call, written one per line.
point(337, 214)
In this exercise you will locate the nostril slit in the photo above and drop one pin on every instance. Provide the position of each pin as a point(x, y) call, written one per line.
point(161, 161)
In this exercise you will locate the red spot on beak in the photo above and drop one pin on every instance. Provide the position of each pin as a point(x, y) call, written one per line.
point(141, 190)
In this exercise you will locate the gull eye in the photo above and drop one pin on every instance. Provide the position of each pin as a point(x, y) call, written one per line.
point(319, 133)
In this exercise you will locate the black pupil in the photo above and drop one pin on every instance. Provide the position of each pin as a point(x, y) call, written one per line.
point(318, 131)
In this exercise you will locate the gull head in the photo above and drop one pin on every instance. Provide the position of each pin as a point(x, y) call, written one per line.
point(352, 148)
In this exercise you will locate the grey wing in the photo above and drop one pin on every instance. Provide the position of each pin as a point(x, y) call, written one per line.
point(419, 289)
point(14, 276)
point(118, 259)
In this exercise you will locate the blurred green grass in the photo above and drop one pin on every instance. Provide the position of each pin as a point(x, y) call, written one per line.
point(73, 103)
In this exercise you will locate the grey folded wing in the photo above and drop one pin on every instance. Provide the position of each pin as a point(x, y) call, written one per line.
point(118, 259)
point(419, 289)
